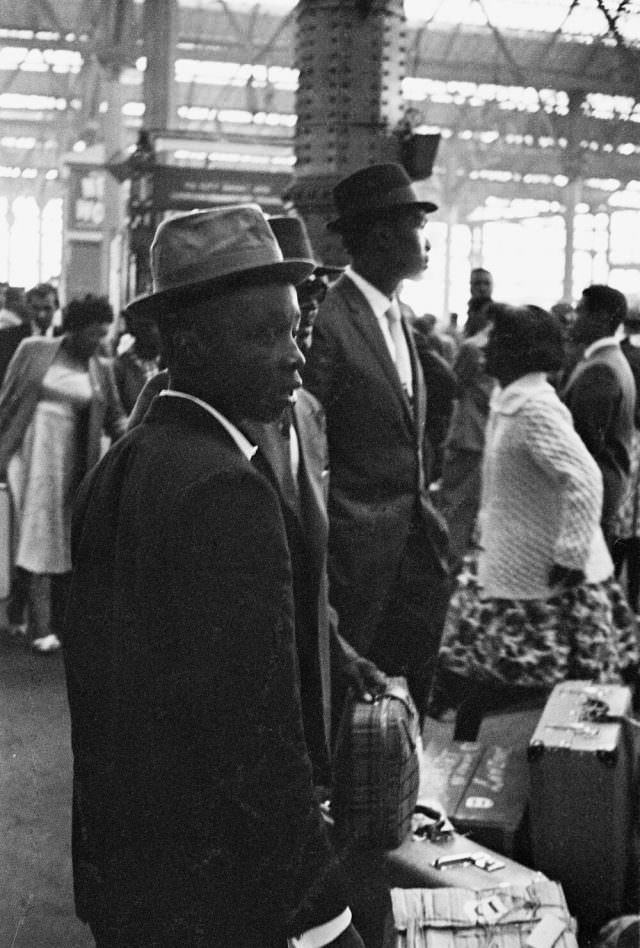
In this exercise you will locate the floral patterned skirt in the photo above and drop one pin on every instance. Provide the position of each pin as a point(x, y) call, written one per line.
point(586, 632)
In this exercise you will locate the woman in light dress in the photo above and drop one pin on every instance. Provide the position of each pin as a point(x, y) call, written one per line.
point(57, 401)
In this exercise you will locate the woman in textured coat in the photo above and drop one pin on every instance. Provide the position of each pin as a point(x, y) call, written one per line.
point(544, 605)
point(57, 400)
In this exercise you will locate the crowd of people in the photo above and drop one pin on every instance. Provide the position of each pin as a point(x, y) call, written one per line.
point(316, 491)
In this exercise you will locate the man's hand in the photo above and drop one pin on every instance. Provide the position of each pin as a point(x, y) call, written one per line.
point(348, 939)
point(365, 678)
point(565, 577)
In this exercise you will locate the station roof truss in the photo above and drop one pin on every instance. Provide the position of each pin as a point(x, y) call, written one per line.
point(522, 111)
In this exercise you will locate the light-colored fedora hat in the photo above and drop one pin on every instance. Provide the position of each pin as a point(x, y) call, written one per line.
point(372, 190)
point(291, 233)
point(195, 254)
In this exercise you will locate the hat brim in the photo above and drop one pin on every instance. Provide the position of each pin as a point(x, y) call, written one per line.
point(341, 223)
point(334, 272)
point(176, 298)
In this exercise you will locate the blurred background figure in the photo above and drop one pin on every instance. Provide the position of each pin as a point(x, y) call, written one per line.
point(138, 358)
point(459, 495)
point(436, 341)
point(56, 401)
point(14, 326)
point(481, 290)
point(544, 606)
point(42, 303)
point(441, 387)
point(601, 394)
point(566, 314)
point(452, 330)
point(293, 240)
point(625, 548)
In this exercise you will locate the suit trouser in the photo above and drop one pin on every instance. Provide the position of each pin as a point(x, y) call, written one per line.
point(408, 636)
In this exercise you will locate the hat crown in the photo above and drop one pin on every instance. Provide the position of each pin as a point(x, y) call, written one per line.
point(210, 245)
point(292, 237)
point(370, 182)
point(375, 189)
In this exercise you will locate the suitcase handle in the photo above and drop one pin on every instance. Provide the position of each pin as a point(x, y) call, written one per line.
point(400, 691)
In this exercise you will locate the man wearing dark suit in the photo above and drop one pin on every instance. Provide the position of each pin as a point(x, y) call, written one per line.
point(302, 483)
point(295, 457)
point(195, 819)
point(601, 393)
point(388, 547)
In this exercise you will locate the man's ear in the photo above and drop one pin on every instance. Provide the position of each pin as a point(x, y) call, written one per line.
point(383, 234)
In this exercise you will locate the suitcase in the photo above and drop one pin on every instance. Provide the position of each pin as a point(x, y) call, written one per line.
point(452, 862)
point(5, 542)
point(493, 808)
point(422, 863)
point(503, 917)
point(376, 769)
point(582, 798)
point(483, 789)
point(447, 768)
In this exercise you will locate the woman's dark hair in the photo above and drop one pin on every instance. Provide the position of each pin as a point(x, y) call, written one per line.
point(85, 312)
point(532, 336)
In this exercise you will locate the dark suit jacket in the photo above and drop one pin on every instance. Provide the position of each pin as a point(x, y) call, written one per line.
point(376, 442)
point(194, 815)
point(321, 650)
point(601, 396)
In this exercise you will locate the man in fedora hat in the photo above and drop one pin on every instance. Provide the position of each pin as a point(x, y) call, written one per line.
point(195, 820)
point(294, 449)
point(388, 548)
point(291, 234)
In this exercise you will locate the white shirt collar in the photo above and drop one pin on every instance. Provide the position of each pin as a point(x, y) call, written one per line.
point(600, 344)
point(378, 301)
point(243, 443)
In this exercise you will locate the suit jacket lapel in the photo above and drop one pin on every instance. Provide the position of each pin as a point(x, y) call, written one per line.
point(366, 324)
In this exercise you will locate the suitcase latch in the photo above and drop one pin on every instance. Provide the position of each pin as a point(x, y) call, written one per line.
point(478, 859)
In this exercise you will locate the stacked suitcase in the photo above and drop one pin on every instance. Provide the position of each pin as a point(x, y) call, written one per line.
point(583, 826)
point(484, 789)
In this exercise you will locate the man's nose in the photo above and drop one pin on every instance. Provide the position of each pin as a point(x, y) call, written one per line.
point(294, 356)
point(427, 245)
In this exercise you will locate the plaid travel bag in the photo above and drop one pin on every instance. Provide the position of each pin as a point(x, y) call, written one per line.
point(376, 769)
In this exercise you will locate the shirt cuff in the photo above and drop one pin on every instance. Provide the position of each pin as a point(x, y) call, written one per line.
point(322, 934)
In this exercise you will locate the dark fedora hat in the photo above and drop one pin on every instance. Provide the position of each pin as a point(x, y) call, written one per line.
point(374, 189)
point(200, 252)
point(291, 234)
